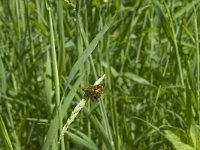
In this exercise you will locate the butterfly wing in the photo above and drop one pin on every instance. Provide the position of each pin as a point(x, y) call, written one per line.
point(94, 91)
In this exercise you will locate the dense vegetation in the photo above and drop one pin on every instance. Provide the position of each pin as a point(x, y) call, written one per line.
point(148, 51)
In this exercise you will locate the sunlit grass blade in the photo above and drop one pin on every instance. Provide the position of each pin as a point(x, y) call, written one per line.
point(195, 135)
point(4, 135)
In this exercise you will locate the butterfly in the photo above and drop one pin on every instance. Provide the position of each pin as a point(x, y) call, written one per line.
point(94, 91)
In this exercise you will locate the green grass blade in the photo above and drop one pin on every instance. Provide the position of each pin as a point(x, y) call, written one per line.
point(56, 77)
point(51, 134)
point(2, 77)
point(48, 81)
point(197, 59)
point(4, 135)
point(82, 140)
point(61, 53)
point(164, 21)
point(136, 78)
point(195, 135)
point(101, 132)
point(88, 50)
point(176, 141)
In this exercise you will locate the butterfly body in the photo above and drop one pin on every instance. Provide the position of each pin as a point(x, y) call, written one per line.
point(95, 90)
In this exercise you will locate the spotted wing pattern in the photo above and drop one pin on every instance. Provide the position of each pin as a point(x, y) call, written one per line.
point(95, 90)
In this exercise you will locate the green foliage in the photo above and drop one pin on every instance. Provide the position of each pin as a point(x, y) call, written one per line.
point(148, 51)
point(4, 135)
point(83, 140)
point(178, 144)
point(194, 133)
point(181, 140)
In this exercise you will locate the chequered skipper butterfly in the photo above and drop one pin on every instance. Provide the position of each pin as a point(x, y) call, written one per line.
point(94, 91)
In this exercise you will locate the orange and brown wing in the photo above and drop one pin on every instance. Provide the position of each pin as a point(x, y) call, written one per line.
point(95, 91)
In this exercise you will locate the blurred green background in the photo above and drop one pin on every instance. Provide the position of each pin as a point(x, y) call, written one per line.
point(148, 51)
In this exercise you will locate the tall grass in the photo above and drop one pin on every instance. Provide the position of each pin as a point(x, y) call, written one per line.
point(148, 51)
